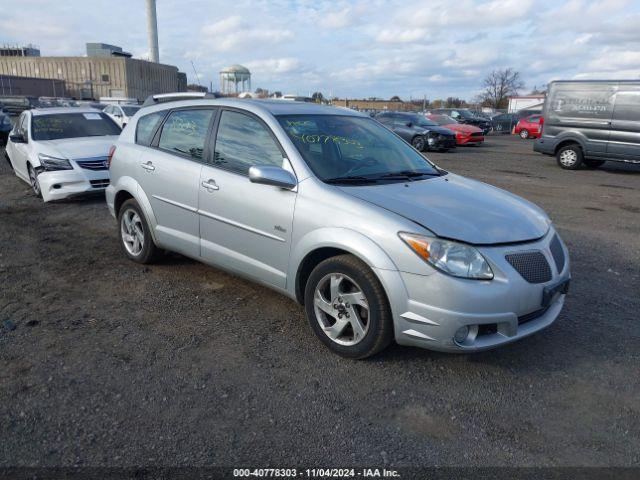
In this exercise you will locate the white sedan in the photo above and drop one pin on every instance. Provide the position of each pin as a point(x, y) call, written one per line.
point(62, 152)
point(121, 114)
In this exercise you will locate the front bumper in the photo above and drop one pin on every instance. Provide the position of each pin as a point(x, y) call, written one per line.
point(441, 142)
point(61, 184)
point(466, 139)
point(429, 310)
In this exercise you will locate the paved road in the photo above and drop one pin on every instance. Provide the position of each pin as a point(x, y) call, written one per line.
point(113, 363)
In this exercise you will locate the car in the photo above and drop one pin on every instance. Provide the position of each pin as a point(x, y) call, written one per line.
point(121, 113)
point(329, 207)
point(464, 116)
point(5, 127)
point(465, 134)
point(589, 122)
point(62, 152)
point(529, 127)
point(503, 122)
point(419, 131)
point(16, 104)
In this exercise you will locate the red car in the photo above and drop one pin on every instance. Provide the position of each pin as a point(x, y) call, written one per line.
point(465, 134)
point(529, 127)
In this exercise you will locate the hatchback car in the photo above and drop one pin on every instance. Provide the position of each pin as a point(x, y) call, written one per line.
point(419, 131)
point(62, 152)
point(330, 208)
point(529, 127)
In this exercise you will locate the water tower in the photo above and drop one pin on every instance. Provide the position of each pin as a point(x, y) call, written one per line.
point(235, 79)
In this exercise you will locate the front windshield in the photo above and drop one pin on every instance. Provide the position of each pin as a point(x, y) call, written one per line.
point(422, 121)
point(443, 119)
point(130, 111)
point(72, 125)
point(337, 147)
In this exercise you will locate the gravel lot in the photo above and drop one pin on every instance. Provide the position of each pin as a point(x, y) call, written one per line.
point(117, 364)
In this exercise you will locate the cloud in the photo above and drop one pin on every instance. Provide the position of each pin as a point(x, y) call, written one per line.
point(274, 65)
point(235, 32)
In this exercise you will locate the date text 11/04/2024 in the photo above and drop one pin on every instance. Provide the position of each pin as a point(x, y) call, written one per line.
point(316, 473)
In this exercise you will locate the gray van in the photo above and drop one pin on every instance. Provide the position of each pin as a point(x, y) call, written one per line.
point(591, 121)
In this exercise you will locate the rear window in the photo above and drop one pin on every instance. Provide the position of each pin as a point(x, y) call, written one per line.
point(146, 126)
point(581, 100)
point(185, 132)
point(72, 125)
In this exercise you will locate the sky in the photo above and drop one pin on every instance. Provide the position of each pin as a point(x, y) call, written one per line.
point(353, 49)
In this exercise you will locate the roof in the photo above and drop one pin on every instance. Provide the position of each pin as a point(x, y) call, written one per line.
point(235, 69)
point(60, 110)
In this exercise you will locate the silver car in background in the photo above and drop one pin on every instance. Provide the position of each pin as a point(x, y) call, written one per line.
point(333, 210)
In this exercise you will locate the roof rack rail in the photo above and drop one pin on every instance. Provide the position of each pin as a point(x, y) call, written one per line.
point(176, 96)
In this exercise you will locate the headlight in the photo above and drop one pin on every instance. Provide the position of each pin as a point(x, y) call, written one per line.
point(454, 258)
point(52, 163)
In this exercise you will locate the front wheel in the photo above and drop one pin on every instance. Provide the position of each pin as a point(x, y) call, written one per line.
point(570, 157)
point(347, 307)
point(418, 143)
point(524, 133)
point(33, 180)
point(135, 235)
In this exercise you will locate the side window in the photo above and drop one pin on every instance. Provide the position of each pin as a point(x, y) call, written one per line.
point(22, 125)
point(185, 132)
point(242, 142)
point(628, 104)
point(146, 126)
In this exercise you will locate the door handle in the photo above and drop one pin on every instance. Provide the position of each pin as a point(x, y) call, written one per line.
point(148, 166)
point(210, 185)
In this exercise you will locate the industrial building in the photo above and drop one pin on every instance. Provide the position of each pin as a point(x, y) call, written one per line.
point(106, 71)
point(19, 51)
point(375, 105)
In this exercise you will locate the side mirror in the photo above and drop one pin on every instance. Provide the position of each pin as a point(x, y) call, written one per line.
point(17, 138)
point(272, 175)
point(409, 124)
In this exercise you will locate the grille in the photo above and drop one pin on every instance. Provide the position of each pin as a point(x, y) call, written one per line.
point(104, 183)
point(529, 317)
point(557, 253)
point(98, 163)
point(533, 266)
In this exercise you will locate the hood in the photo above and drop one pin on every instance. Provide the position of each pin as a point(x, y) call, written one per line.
point(463, 127)
point(84, 147)
point(457, 208)
point(436, 129)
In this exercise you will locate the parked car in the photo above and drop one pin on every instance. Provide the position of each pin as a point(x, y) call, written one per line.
point(330, 208)
point(464, 116)
point(504, 122)
point(5, 127)
point(465, 134)
point(419, 131)
point(529, 127)
point(62, 152)
point(590, 122)
point(16, 104)
point(121, 114)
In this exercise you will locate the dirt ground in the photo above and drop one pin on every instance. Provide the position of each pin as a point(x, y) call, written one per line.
point(106, 362)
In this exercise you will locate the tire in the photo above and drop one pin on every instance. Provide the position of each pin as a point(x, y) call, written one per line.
point(524, 133)
point(6, 157)
point(330, 298)
point(593, 163)
point(570, 156)
point(419, 143)
point(33, 180)
point(132, 222)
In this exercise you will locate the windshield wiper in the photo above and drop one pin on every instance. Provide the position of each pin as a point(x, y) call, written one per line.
point(409, 174)
point(350, 179)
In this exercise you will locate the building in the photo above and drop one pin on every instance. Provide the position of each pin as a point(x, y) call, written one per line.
point(19, 51)
point(89, 78)
point(32, 87)
point(105, 50)
point(235, 79)
point(390, 105)
point(526, 102)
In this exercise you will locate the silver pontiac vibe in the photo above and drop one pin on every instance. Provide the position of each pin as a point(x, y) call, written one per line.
point(330, 208)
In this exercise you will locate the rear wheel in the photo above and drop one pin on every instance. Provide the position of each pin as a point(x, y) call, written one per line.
point(570, 157)
point(524, 133)
point(134, 233)
point(347, 307)
point(593, 163)
point(418, 143)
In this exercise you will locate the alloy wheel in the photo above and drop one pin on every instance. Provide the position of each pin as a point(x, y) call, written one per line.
point(341, 308)
point(524, 133)
point(132, 232)
point(33, 178)
point(568, 158)
point(418, 143)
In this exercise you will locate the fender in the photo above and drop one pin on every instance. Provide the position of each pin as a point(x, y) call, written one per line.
point(346, 239)
point(131, 186)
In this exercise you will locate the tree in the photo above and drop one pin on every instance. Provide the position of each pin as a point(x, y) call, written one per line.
point(454, 102)
point(499, 85)
point(395, 98)
point(317, 97)
point(261, 92)
point(277, 94)
point(192, 87)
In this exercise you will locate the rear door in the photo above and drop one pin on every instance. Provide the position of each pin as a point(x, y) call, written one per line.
point(624, 139)
point(170, 175)
point(245, 226)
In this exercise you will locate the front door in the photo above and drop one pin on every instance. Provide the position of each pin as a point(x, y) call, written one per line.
point(244, 226)
point(170, 175)
point(19, 152)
